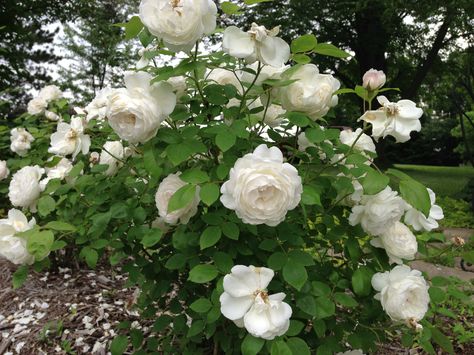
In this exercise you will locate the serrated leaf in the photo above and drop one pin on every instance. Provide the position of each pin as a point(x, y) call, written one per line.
point(330, 50)
point(209, 193)
point(46, 205)
point(201, 305)
point(19, 276)
point(175, 262)
point(295, 274)
point(230, 8)
point(231, 230)
point(251, 345)
point(119, 345)
point(203, 273)
point(181, 198)
point(374, 182)
point(361, 281)
point(152, 237)
point(210, 237)
point(416, 195)
point(225, 140)
point(60, 226)
point(305, 43)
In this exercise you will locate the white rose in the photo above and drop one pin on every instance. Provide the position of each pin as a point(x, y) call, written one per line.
point(166, 190)
point(4, 172)
point(399, 243)
point(376, 213)
point(373, 79)
point(178, 83)
point(256, 44)
point(94, 158)
point(403, 293)
point(272, 116)
point(21, 141)
point(13, 248)
point(225, 77)
point(52, 116)
point(136, 112)
point(266, 72)
point(60, 171)
point(69, 139)
point(37, 106)
point(261, 188)
point(50, 93)
point(247, 303)
point(116, 149)
point(364, 143)
point(419, 221)
point(179, 23)
point(97, 108)
point(312, 93)
point(394, 119)
point(24, 188)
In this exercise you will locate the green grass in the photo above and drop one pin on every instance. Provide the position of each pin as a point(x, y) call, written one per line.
point(443, 180)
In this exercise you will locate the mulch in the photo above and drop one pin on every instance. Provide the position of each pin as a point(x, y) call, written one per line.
point(64, 312)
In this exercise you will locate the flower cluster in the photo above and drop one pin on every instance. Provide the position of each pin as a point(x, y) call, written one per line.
point(39, 105)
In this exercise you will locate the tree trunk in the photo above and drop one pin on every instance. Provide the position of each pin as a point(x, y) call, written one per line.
point(466, 144)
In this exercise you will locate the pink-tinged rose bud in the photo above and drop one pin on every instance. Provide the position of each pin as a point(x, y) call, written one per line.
point(373, 79)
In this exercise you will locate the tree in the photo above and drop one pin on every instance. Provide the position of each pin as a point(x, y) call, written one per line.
point(95, 47)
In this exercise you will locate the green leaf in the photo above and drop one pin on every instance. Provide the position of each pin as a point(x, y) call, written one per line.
point(225, 140)
point(19, 276)
point(361, 281)
point(175, 262)
point(230, 8)
point(345, 300)
point(209, 193)
point(315, 134)
point(196, 327)
point(39, 244)
point(442, 340)
point(60, 226)
point(324, 307)
point(201, 305)
point(330, 50)
point(210, 237)
point(119, 210)
point(304, 43)
point(295, 274)
point(295, 328)
point(437, 295)
point(136, 336)
point(298, 119)
point(251, 345)
point(46, 205)
point(149, 161)
point(90, 255)
point(301, 58)
point(181, 198)
point(119, 345)
point(231, 230)
point(277, 260)
point(298, 346)
point(279, 347)
point(58, 244)
point(307, 304)
point(133, 27)
point(223, 261)
point(152, 237)
point(310, 196)
point(194, 176)
point(203, 273)
point(416, 195)
point(374, 182)
point(320, 288)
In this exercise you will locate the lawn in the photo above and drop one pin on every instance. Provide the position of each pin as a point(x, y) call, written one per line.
point(443, 180)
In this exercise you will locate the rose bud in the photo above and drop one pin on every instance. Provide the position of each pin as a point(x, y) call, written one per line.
point(373, 79)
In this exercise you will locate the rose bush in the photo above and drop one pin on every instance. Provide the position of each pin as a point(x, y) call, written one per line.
point(248, 223)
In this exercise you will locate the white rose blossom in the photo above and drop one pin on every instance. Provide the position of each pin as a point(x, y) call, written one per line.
point(4, 172)
point(225, 77)
point(266, 72)
point(363, 144)
point(37, 106)
point(312, 93)
point(97, 108)
point(398, 241)
point(21, 141)
point(60, 171)
point(179, 23)
point(272, 116)
point(136, 111)
point(247, 303)
point(166, 190)
point(52, 116)
point(116, 149)
point(69, 139)
point(258, 44)
point(13, 248)
point(419, 221)
point(261, 187)
point(403, 293)
point(179, 85)
point(376, 213)
point(373, 79)
point(50, 93)
point(394, 119)
point(25, 189)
